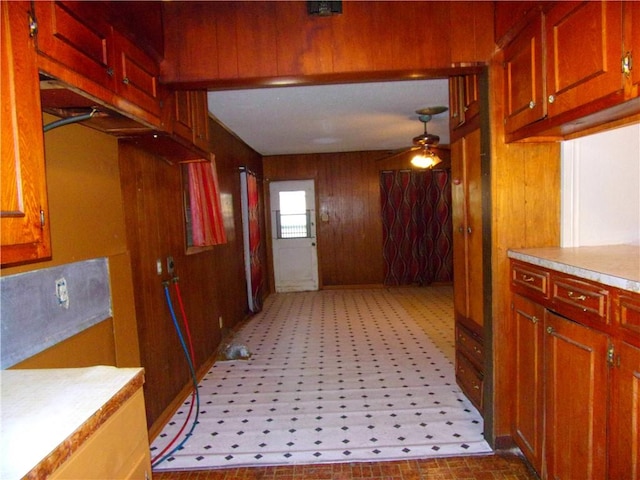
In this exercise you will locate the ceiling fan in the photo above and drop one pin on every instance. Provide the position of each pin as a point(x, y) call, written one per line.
point(425, 156)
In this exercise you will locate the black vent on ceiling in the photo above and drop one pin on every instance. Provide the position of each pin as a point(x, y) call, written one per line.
point(324, 9)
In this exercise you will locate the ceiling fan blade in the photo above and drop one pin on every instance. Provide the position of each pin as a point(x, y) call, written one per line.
point(397, 153)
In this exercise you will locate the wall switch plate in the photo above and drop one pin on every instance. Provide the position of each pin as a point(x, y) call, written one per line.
point(62, 294)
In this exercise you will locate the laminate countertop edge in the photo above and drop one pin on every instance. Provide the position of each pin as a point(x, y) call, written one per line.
point(48, 414)
point(612, 265)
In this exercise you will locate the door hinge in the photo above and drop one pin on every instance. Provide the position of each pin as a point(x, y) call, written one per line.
point(33, 25)
point(627, 64)
point(41, 218)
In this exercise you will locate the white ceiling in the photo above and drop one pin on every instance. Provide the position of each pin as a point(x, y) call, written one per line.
point(332, 118)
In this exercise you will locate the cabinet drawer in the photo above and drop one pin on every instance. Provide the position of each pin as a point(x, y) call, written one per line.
point(530, 281)
point(580, 300)
point(470, 345)
point(629, 313)
point(469, 379)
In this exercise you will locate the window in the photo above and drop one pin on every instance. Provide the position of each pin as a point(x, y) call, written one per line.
point(204, 225)
point(293, 219)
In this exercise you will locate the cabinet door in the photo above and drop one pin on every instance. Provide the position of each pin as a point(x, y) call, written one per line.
point(576, 380)
point(528, 402)
point(583, 45)
point(77, 35)
point(523, 77)
point(466, 194)
point(472, 162)
point(24, 223)
point(200, 120)
point(136, 75)
point(624, 460)
point(183, 114)
point(458, 216)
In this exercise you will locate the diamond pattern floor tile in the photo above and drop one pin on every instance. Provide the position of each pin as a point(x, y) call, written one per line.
point(334, 376)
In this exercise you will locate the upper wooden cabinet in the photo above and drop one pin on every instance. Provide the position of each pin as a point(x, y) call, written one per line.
point(137, 75)
point(525, 100)
point(77, 35)
point(464, 104)
point(190, 117)
point(24, 212)
point(563, 69)
point(79, 46)
point(584, 51)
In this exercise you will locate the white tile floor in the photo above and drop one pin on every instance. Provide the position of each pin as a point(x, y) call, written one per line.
point(335, 375)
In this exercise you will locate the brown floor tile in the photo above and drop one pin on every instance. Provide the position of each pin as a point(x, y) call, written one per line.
point(491, 467)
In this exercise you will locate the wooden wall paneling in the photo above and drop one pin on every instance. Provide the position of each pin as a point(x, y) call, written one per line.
point(304, 43)
point(404, 41)
point(256, 39)
point(524, 189)
point(348, 191)
point(212, 282)
point(191, 50)
point(226, 32)
point(353, 33)
point(471, 31)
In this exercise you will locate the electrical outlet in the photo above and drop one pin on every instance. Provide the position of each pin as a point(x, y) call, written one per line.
point(62, 294)
point(159, 266)
point(171, 266)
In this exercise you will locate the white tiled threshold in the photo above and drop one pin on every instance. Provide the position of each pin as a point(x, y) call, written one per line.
point(334, 376)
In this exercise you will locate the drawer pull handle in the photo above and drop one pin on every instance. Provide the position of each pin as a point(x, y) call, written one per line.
point(527, 278)
point(574, 296)
point(476, 387)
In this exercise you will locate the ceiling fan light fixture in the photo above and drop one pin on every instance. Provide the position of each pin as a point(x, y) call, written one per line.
point(425, 159)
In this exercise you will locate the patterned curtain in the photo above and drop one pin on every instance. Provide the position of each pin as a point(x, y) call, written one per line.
point(417, 227)
point(252, 240)
point(204, 200)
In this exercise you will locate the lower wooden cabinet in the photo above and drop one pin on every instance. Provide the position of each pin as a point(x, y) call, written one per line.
point(118, 449)
point(528, 402)
point(576, 379)
point(624, 461)
point(470, 361)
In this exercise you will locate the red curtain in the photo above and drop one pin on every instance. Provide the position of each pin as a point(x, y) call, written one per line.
point(207, 224)
point(253, 244)
point(417, 227)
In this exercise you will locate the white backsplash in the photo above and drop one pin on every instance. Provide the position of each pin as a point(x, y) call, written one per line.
point(601, 189)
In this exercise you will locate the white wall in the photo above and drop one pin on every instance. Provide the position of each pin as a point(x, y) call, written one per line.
point(601, 188)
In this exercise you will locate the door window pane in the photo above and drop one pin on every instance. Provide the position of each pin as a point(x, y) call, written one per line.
point(293, 219)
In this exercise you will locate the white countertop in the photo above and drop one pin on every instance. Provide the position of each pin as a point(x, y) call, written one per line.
point(613, 265)
point(40, 409)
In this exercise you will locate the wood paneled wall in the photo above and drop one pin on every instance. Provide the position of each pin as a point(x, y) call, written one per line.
point(525, 212)
point(217, 42)
point(348, 192)
point(212, 282)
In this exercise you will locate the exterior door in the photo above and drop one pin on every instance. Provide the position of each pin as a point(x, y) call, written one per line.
point(293, 235)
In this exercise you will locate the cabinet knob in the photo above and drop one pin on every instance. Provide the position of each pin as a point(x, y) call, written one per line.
point(552, 98)
point(125, 80)
point(469, 230)
point(627, 64)
point(532, 104)
point(110, 71)
point(33, 26)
